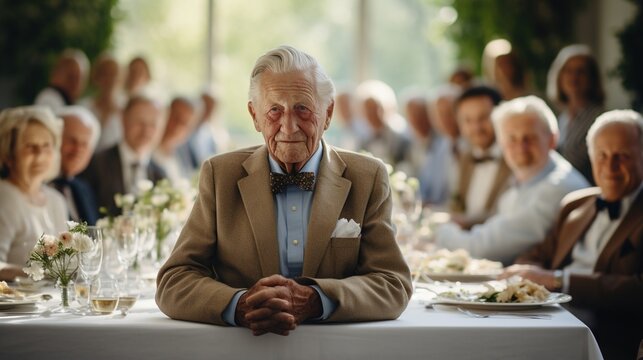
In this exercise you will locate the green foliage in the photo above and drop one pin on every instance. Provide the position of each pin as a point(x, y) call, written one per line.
point(629, 68)
point(33, 34)
point(536, 29)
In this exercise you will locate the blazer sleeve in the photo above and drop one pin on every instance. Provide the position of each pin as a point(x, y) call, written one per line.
point(186, 285)
point(381, 287)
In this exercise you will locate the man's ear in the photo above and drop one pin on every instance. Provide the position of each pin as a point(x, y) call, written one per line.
point(253, 113)
point(553, 142)
point(329, 114)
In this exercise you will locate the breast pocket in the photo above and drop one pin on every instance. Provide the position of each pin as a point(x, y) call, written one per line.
point(345, 253)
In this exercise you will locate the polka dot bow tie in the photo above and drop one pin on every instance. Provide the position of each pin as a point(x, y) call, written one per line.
point(303, 180)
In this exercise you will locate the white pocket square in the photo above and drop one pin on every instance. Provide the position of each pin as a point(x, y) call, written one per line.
point(346, 229)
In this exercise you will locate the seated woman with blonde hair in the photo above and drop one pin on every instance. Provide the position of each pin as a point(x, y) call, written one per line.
point(29, 153)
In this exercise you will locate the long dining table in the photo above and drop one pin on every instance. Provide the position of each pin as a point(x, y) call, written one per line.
point(421, 332)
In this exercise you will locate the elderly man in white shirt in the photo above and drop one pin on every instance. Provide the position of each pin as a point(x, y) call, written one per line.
point(527, 132)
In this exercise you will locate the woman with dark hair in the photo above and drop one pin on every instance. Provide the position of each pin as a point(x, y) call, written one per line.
point(574, 83)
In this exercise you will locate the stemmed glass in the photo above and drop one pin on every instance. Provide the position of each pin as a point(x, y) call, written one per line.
point(127, 238)
point(89, 263)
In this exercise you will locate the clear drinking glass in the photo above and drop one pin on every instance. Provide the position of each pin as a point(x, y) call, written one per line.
point(128, 295)
point(89, 264)
point(103, 296)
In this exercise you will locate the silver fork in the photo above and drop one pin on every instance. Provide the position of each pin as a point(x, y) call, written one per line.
point(477, 314)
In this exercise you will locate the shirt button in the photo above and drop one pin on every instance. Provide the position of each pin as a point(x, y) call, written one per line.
point(295, 242)
point(293, 208)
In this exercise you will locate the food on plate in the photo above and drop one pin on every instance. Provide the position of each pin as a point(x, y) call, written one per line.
point(458, 261)
point(523, 291)
point(8, 292)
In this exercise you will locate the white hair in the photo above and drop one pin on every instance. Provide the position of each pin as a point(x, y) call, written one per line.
point(13, 122)
point(86, 117)
point(286, 59)
point(525, 105)
point(625, 117)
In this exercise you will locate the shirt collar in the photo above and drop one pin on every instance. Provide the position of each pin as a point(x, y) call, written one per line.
point(312, 165)
point(128, 156)
point(549, 167)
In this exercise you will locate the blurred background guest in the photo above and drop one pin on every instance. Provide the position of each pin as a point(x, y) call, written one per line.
point(483, 172)
point(595, 252)
point(29, 144)
point(105, 102)
point(67, 80)
point(351, 130)
point(138, 77)
point(504, 69)
point(527, 132)
point(180, 122)
point(439, 173)
point(207, 137)
point(378, 105)
point(118, 169)
point(81, 131)
point(574, 83)
point(416, 108)
point(462, 77)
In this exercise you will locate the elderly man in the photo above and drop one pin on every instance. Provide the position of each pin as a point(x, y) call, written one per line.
point(80, 135)
point(527, 133)
point(265, 247)
point(118, 169)
point(483, 173)
point(181, 121)
point(595, 252)
point(67, 81)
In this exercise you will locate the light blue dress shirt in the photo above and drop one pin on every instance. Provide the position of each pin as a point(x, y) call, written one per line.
point(293, 212)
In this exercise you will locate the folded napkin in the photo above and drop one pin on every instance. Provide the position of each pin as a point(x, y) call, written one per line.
point(346, 229)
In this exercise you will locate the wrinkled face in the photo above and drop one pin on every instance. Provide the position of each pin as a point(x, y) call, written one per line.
point(617, 161)
point(525, 143)
point(474, 118)
point(418, 116)
point(34, 155)
point(575, 77)
point(290, 116)
point(179, 124)
point(75, 150)
point(140, 126)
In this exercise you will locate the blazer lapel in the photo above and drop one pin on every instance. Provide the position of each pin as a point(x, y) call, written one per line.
point(578, 222)
point(331, 191)
point(260, 207)
point(630, 220)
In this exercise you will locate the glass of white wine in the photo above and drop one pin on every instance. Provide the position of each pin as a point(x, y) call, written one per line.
point(90, 262)
point(104, 295)
point(128, 295)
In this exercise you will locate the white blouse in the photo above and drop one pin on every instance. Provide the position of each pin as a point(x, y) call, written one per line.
point(22, 223)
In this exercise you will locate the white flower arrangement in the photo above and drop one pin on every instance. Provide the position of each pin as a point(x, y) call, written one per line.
point(56, 255)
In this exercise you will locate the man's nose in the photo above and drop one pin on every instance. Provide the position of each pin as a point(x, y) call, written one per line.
point(289, 123)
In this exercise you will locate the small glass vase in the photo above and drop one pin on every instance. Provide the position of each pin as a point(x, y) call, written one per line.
point(66, 295)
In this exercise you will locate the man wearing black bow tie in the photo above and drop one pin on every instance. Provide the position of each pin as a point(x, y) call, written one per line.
point(595, 253)
point(259, 249)
point(483, 174)
point(80, 135)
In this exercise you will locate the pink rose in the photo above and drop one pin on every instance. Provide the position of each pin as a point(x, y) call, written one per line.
point(50, 245)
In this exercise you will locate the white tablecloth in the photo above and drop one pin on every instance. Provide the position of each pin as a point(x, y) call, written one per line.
point(419, 333)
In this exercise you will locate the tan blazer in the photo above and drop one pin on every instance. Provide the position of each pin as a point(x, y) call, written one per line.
point(616, 283)
point(459, 198)
point(230, 239)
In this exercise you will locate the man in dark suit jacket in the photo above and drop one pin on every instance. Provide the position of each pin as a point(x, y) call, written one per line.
point(118, 169)
point(595, 253)
point(80, 135)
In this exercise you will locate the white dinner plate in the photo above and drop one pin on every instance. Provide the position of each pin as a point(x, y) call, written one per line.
point(8, 304)
point(554, 298)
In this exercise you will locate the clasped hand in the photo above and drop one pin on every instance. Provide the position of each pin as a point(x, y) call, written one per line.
point(278, 305)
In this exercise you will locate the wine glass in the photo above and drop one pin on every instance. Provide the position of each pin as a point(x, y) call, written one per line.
point(103, 296)
point(128, 295)
point(127, 239)
point(90, 261)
